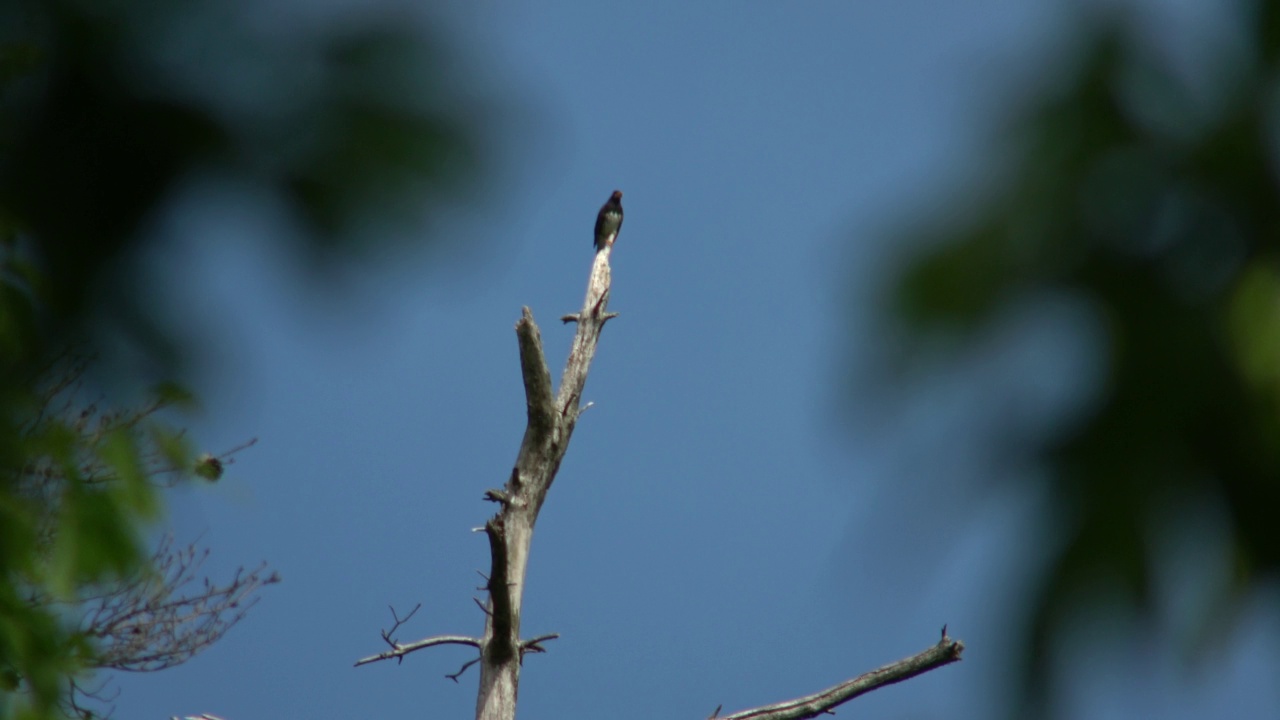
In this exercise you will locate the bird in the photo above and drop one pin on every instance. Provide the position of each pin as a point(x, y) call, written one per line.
point(609, 221)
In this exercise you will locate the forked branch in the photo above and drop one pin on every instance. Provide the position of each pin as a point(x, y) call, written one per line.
point(551, 420)
point(400, 650)
point(510, 531)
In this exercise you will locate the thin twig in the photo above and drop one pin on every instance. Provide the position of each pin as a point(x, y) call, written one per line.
point(534, 645)
point(454, 677)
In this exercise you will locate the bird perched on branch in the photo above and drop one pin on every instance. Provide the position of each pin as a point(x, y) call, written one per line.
point(609, 221)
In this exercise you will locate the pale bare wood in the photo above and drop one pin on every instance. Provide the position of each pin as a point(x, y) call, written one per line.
point(399, 650)
point(546, 439)
point(824, 702)
point(550, 423)
point(551, 420)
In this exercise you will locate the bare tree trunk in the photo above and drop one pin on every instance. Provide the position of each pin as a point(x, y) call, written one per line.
point(546, 438)
point(551, 419)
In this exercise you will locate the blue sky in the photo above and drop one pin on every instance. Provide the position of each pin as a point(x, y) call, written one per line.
point(720, 532)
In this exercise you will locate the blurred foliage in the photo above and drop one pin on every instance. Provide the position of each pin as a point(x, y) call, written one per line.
point(71, 511)
point(107, 109)
point(76, 482)
point(1153, 198)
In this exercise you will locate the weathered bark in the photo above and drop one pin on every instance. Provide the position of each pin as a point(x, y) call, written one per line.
point(546, 439)
point(551, 419)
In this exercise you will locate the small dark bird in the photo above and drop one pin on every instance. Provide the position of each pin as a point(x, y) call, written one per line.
point(609, 221)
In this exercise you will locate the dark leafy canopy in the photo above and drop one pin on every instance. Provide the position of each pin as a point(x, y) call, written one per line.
point(1159, 209)
point(110, 105)
point(106, 109)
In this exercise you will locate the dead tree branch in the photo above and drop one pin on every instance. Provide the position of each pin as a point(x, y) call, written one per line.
point(546, 439)
point(550, 423)
point(162, 617)
point(454, 676)
point(535, 644)
point(551, 418)
point(399, 651)
point(945, 652)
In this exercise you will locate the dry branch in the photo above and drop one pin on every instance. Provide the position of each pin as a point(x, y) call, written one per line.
point(550, 422)
point(510, 531)
point(163, 617)
point(945, 652)
point(550, 425)
point(399, 651)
